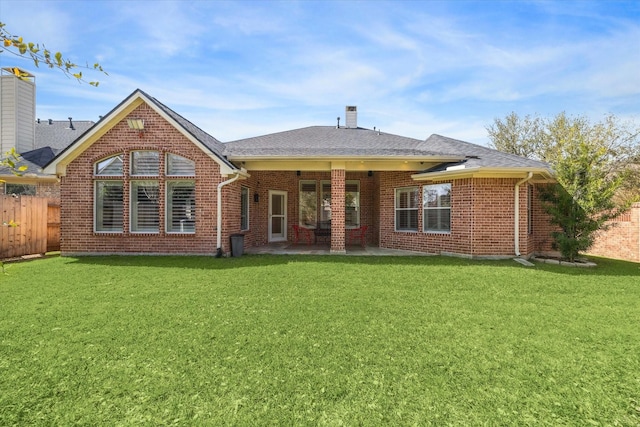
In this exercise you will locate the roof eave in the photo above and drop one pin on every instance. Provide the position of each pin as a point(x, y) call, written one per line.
point(316, 158)
point(540, 174)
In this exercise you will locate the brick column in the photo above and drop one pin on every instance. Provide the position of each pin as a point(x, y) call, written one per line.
point(337, 209)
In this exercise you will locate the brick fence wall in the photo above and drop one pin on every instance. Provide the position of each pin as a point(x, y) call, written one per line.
point(622, 240)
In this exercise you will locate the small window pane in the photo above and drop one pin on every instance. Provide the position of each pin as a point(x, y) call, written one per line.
point(109, 206)
point(244, 208)
point(181, 207)
point(20, 189)
point(407, 209)
point(308, 204)
point(145, 163)
point(325, 207)
point(111, 166)
point(144, 207)
point(352, 203)
point(437, 207)
point(180, 166)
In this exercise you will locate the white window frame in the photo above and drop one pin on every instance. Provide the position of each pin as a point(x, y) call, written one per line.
point(357, 204)
point(133, 207)
point(96, 210)
point(301, 221)
point(397, 191)
point(178, 157)
point(244, 200)
point(132, 164)
point(168, 205)
point(109, 159)
point(425, 208)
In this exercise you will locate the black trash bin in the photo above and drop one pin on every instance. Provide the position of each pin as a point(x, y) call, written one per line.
point(237, 245)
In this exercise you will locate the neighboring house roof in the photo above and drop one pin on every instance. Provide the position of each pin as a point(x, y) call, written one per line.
point(34, 160)
point(58, 134)
point(206, 142)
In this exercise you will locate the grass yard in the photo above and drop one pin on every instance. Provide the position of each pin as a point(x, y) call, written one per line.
point(318, 340)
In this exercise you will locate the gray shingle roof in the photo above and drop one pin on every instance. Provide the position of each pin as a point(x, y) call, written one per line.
point(328, 141)
point(477, 155)
point(331, 141)
point(208, 141)
point(203, 137)
point(57, 134)
point(34, 160)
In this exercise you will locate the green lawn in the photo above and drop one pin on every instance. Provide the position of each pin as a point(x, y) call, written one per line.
point(306, 340)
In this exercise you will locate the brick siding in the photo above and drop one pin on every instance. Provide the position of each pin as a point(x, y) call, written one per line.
point(482, 214)
point(482, 219)
point(622, 240)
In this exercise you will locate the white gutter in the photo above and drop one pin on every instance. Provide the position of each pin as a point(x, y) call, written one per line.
point(516, 228)
point(219, 210)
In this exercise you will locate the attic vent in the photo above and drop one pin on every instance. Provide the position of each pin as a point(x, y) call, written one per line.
point(351, 116)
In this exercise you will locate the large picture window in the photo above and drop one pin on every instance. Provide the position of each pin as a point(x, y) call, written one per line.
point(181, 207)
point(146, 178)
point(109, 206)
point(406, 207)
point(436, 202)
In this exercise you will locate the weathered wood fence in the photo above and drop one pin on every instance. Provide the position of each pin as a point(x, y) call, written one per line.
point(30, 225)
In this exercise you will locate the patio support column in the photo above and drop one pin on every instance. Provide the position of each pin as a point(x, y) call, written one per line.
point(338, 174)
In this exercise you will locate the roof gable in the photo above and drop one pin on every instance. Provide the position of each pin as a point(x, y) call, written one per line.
point(203, 140)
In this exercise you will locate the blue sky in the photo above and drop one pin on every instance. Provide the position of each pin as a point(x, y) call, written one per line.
point(247, 68)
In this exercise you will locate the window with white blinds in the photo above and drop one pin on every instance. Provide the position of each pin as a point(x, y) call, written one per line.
point(145, 163)
point(146, 180)
point(109, 206)
point(181, 207)
point(406, 204)
point(145, 217)
point(180, 166)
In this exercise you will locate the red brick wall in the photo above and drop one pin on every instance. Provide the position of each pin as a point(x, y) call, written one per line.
point(622, 240)
point(263, 181)
point(482, 209)
point(77, 194)
point(482, 218)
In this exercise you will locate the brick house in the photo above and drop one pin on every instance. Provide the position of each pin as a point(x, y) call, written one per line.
point(144, 179)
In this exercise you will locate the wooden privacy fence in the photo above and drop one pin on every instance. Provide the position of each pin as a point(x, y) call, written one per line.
point(37, 226)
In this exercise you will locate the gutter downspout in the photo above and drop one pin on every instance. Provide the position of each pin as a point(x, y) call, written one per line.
point(219, 212)
point(516, 228)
